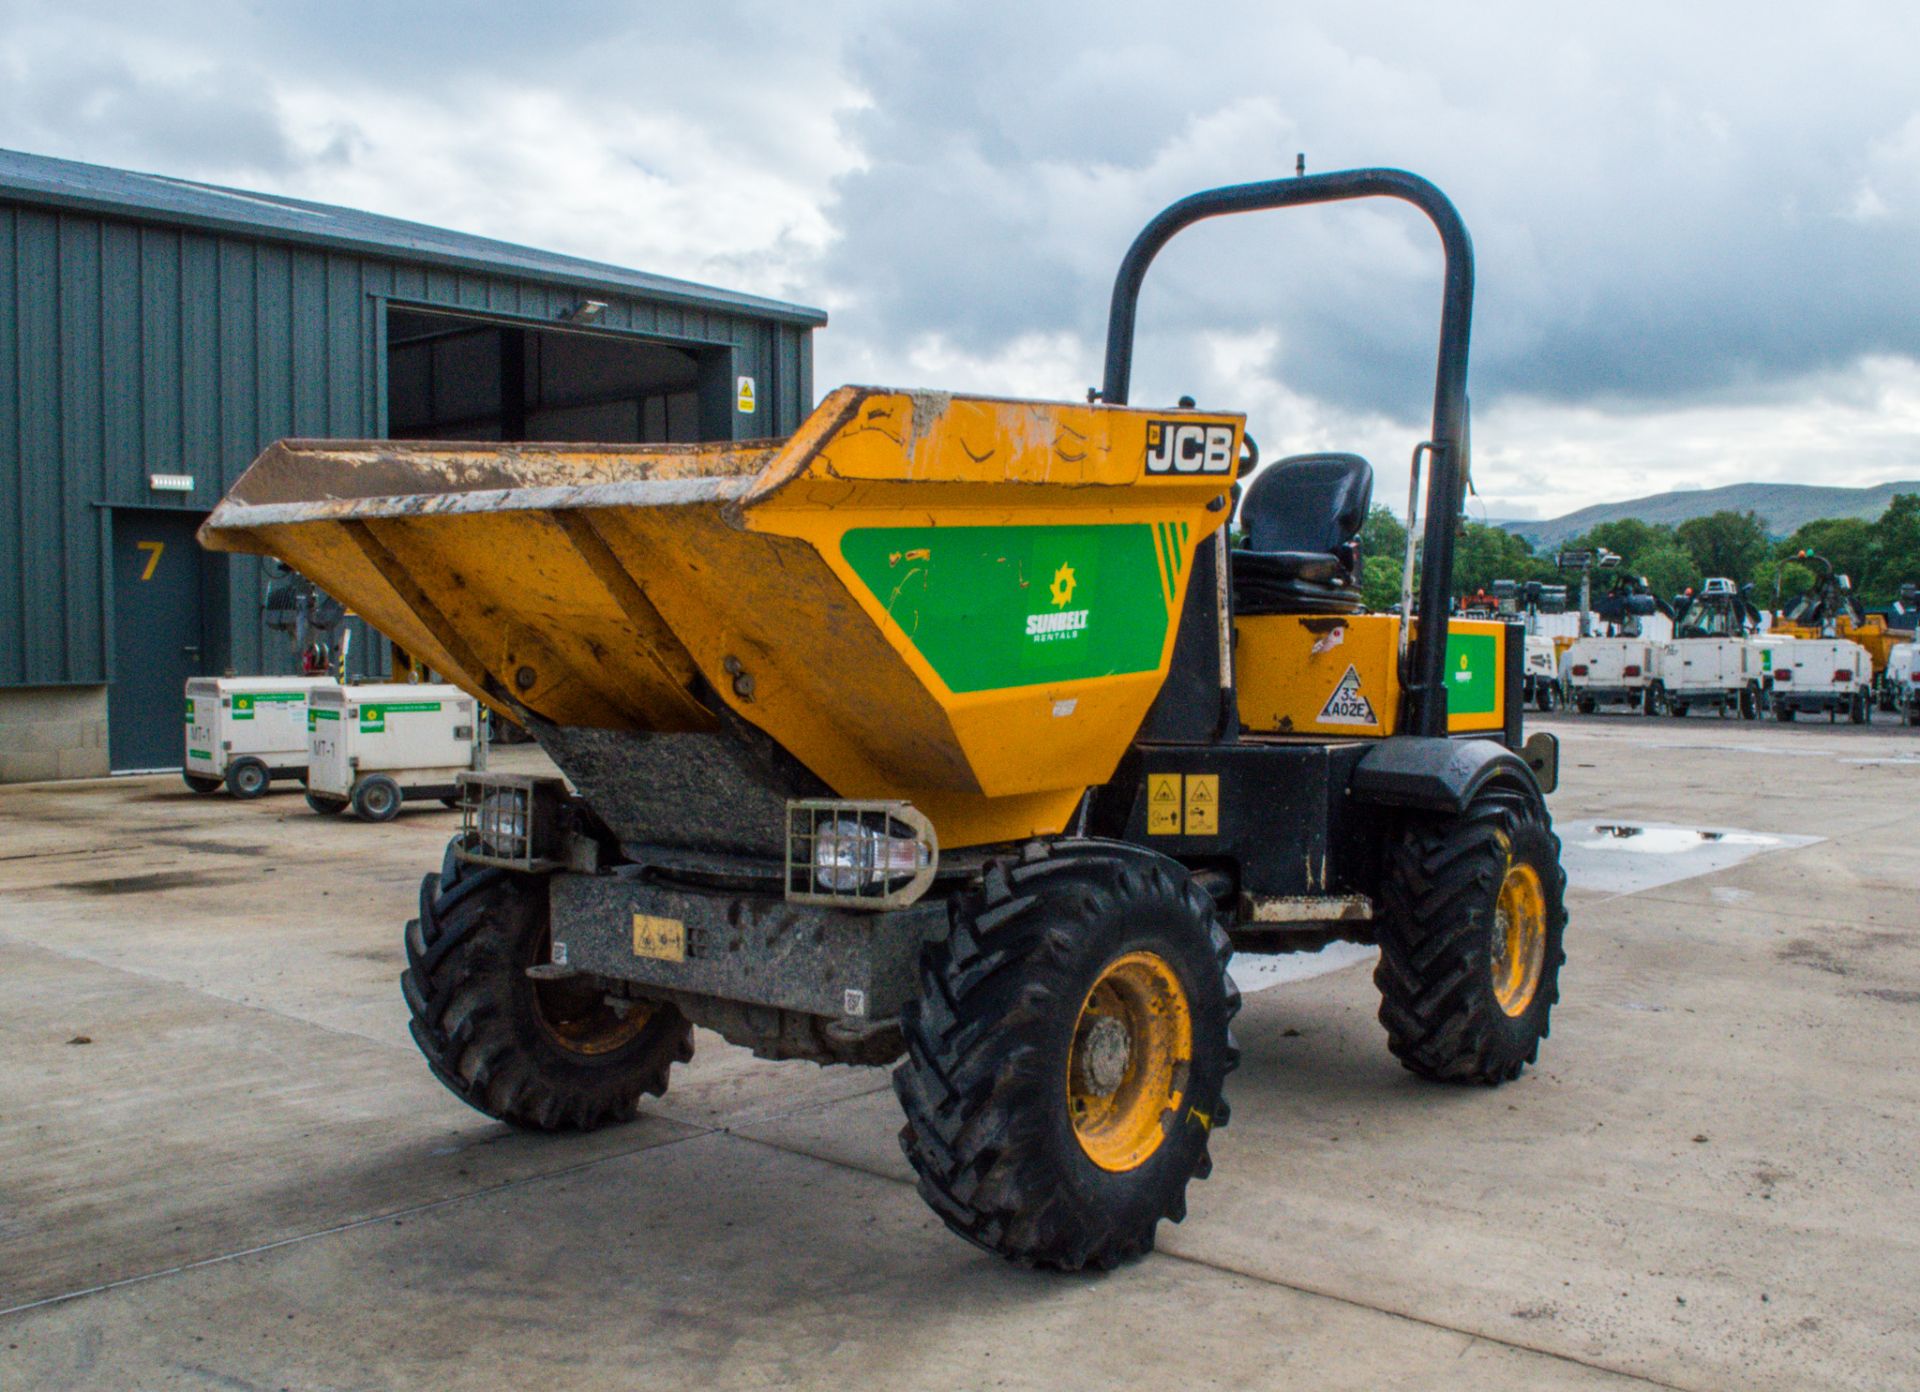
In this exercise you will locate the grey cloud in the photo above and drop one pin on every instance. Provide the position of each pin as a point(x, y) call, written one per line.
point(1661, 200)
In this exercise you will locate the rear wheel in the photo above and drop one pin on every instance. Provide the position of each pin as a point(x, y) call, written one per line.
point(1546, 696)
point(201, 784)
point(1066, 1056)
point(1583, 704)
point(1783, 713)
point(545, 1055)
point(1473, 915)
point(376, 798)
point(247, 778)
point(1861, 709)
point(1750, 703)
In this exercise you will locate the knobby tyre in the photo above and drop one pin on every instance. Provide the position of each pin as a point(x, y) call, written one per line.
point(1472, 927)
point(543, 1055)
point(1066, 1055)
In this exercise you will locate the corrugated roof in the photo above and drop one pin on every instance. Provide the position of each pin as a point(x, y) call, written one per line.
point(155, 197)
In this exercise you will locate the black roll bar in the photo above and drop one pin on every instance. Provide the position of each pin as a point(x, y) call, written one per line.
point(1426, 687)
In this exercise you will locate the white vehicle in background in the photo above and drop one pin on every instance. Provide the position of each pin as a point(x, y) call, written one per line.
point(1540, 680)
point(1719, 672)
point(1903, 681)
point(1816, 675)
point(1611, 672)
point(1708, 661)
point(244, 732)
point(375, 746)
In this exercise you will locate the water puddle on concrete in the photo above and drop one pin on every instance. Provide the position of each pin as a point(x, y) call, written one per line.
point(1252, 972)
point(1606, 857)
point(1612, 857)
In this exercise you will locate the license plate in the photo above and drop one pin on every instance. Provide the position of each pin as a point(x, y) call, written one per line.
point(663, 939)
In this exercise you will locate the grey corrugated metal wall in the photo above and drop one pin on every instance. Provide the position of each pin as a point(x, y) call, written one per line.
point(129, 348)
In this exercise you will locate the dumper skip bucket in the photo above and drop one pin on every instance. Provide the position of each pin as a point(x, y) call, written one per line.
point(966, 603)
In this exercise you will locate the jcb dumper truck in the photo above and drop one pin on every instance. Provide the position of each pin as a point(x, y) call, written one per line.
point(951, 733)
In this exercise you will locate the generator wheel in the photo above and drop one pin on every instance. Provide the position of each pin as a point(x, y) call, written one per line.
point(1750, 703)
point(248, 778)
point(1860, 711)
point(542, 1055)
point(1066, 1055)
point(1547, 697)
point(1783, 713)
point(1677, 709)
point(326, 806)
point(377, 798)
point(1583, 704)
point(1473, 915)
point(201, 784)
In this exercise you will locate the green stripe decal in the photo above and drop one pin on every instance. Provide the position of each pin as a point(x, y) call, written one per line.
point(992, 608)
point(1160, 554)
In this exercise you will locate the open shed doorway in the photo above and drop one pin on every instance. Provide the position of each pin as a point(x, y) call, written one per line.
point(459, 377)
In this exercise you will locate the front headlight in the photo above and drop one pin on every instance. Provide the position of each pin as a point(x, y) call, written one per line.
point(849, 856)
point(858, 854)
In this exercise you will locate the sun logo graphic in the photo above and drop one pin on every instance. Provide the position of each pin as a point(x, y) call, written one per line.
point(1063, 624)
point(1062, 588)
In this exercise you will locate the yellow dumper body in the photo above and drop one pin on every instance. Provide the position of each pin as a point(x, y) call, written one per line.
point(962, 602)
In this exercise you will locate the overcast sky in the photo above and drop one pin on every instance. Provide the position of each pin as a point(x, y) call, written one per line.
point(1698, 226)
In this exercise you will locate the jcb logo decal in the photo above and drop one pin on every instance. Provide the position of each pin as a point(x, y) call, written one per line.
point(1188, 447)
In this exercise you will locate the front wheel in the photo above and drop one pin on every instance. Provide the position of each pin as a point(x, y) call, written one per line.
point(1066, 1056)
point(201, 784)
point(1547, 698)
point(543, 1055)
point(1860, 710)
point(1784, 714)
point(248, 778)
point(326, 806)
point(1750, 703)
point(1583, 704)
point(1473, 917)
point(377, 798)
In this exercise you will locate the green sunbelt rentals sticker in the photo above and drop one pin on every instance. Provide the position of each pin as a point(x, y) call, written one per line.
point(315, 714)
point(245, 701)
point(1473, 665)
point(373, 718)
point(997, 607)
point(189, 710)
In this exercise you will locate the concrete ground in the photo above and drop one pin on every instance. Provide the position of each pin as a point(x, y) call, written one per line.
point(223, 1165)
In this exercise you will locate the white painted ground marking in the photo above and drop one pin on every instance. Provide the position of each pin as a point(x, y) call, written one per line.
point(1614, 856)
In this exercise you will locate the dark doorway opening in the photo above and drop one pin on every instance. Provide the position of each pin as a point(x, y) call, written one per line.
point(159, 637)
point(453, 377)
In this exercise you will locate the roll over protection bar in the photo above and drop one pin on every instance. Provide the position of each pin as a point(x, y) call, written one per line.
point(1425, 685)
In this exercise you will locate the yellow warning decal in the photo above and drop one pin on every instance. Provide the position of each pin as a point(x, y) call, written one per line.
point(1183, 804)
point(1163, 804)
point(1203, 804)
point(663, 939)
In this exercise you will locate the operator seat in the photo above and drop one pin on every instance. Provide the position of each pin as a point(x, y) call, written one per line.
point(1303, 518)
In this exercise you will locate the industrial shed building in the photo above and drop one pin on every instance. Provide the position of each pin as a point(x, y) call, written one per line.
point(156, 334)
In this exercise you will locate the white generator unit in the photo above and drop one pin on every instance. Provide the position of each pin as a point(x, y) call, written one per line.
point(1830, 675)
point(1611, 672)
point(1902, 679)
point(373, 747)
point(1719, 672)
point(1540, 678)
point(244, 732)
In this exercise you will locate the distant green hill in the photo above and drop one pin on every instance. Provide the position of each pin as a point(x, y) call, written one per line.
point(1782, 506)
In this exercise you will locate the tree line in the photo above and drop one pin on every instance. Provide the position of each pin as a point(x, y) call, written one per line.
point(1878, 555)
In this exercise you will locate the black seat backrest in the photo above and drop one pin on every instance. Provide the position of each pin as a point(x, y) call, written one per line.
point(1310, 502)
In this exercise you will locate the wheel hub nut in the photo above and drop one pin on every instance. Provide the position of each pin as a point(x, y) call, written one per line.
point(1103, 1056)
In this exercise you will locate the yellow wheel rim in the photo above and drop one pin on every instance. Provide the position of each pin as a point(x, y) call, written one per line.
point(575, 1015)
point(1519, 938)
point(1127, 1071)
